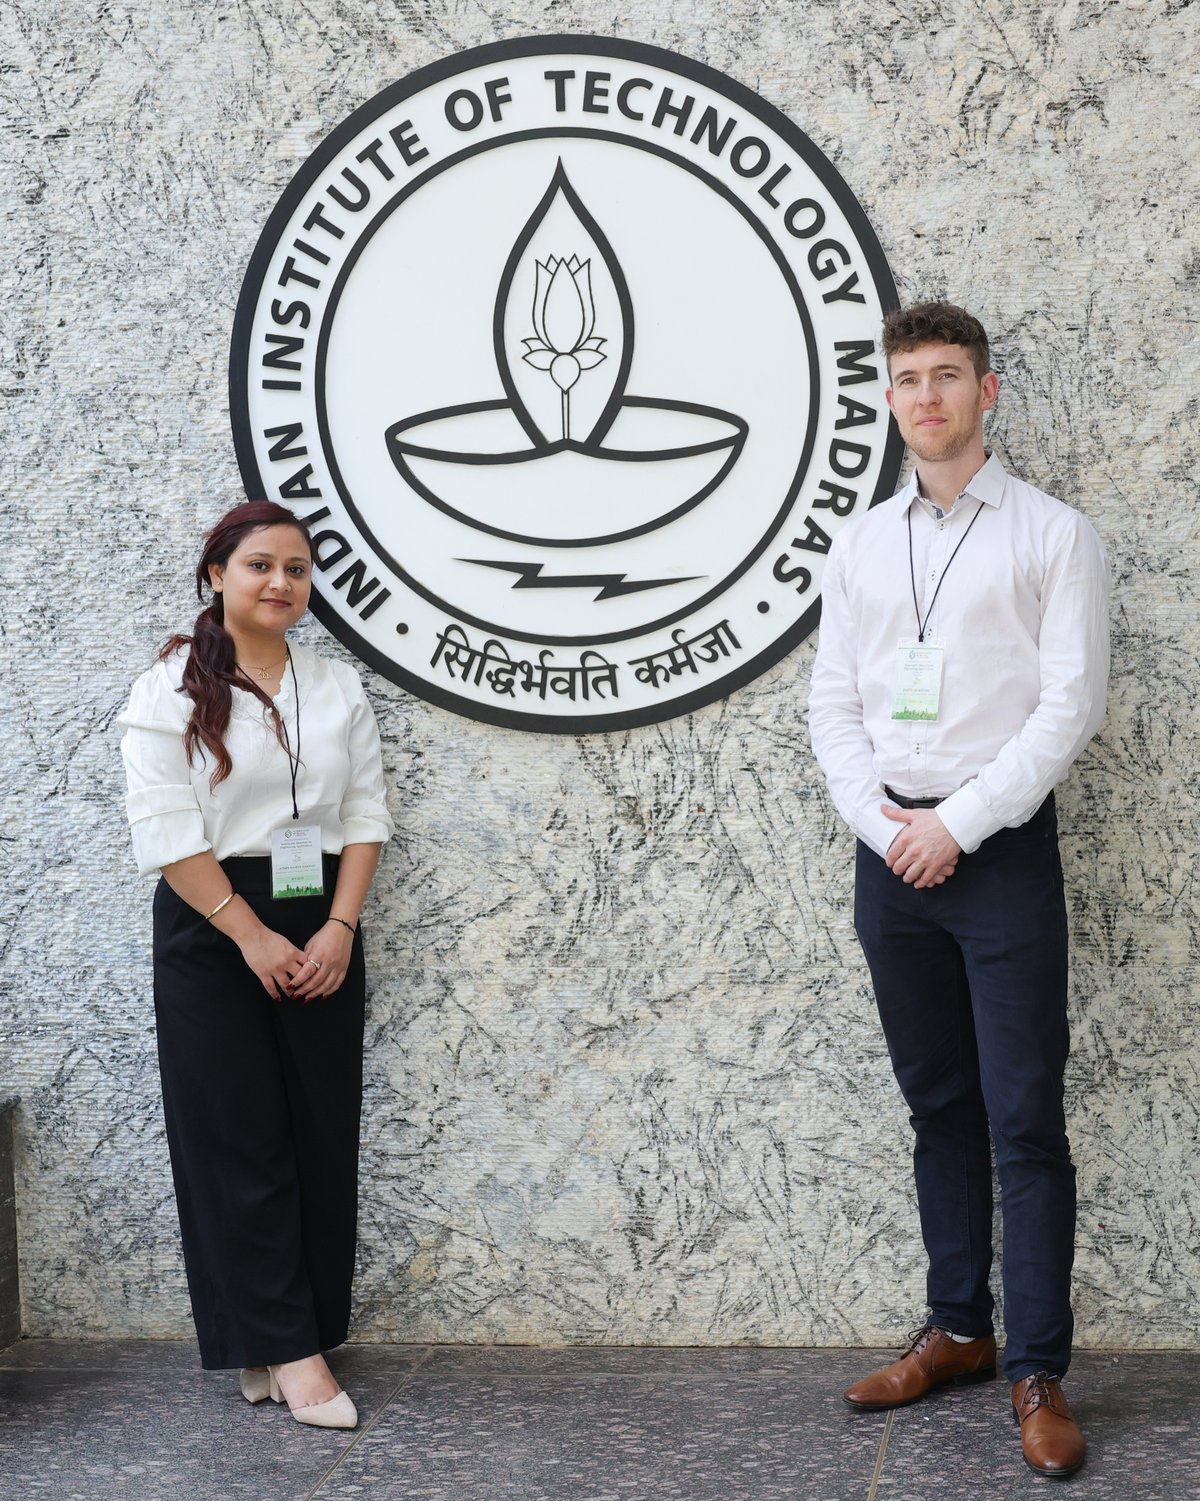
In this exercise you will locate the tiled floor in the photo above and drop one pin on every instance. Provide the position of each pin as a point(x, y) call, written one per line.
point(138, 1421)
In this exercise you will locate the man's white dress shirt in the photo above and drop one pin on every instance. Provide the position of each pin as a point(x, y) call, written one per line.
point(1023, 615)
point(174, 813)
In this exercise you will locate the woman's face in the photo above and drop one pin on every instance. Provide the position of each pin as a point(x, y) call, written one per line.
point(266, 582)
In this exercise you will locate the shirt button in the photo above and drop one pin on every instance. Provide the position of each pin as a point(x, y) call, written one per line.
point(916, 750)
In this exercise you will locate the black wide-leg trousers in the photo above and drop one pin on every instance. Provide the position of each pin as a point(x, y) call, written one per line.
point(971, 984)
point(262, 1101)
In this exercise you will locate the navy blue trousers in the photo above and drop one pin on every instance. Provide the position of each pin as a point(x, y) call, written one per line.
point(971, 983)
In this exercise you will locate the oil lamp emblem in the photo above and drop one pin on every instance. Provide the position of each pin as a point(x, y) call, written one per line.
point(595, 464)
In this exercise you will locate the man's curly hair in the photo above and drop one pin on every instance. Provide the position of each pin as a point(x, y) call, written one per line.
point(936, 323)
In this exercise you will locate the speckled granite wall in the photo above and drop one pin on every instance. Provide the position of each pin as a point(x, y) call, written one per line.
point(625, 1083)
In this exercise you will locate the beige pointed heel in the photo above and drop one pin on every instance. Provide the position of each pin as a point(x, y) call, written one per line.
point(255, 1385)
point(338, 1412)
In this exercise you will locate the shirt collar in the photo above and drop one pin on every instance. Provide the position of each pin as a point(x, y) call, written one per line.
point(986, 485)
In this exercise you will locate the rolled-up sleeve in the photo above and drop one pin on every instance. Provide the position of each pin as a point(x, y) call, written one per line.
point(364, 811)
point(165, 818)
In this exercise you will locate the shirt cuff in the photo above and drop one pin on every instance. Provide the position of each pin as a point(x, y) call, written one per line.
point(967, 819)
point(366, 823)
point(877, 829)
point(164, 840)
point(166, 825)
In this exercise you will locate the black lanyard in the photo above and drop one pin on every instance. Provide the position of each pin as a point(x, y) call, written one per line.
point(295, 760)
point(912, 573)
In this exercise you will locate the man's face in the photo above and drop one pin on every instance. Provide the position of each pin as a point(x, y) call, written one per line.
point(939, 401)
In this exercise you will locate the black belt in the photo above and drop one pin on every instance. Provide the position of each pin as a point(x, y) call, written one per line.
point(913, 802)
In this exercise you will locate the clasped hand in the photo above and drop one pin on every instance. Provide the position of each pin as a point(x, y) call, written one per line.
point(302, 974)
point(924, 853)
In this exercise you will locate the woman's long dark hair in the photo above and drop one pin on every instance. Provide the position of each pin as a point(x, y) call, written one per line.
point(210, 674)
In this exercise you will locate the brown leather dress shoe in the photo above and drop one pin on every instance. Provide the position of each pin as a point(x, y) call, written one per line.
point(933, 1359)
point(1050, 1438)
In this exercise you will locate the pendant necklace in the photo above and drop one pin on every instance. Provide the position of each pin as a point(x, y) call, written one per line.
point(264, 674)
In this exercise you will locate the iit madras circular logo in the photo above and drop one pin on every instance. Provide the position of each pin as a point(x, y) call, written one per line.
point(566, 349)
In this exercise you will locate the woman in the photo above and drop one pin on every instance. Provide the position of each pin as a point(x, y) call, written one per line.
point(254, 774)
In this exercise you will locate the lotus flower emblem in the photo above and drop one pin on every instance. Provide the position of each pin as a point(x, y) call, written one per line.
point(567, 458)
point(564, 315)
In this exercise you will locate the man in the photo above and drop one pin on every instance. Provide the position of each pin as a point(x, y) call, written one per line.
point(962, 666)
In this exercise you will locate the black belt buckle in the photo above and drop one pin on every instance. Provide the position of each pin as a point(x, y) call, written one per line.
point(913, 802)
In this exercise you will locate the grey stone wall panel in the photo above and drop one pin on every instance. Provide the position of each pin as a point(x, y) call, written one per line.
point(624, 1078)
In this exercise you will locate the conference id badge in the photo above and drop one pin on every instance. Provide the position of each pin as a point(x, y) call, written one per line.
point(297, 868)
point(918, 690)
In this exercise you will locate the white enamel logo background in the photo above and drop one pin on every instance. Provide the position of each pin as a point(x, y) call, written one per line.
point(567, 350)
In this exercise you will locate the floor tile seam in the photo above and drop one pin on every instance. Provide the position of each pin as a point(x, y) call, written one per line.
point(883, 1443)
point(587, 1362)
point(361, 1433)
point(788, 1354)
point(10, 1361)
point(475, 1373)
point(92, 1370)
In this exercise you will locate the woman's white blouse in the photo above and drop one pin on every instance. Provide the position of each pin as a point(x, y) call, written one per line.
point(173, 812)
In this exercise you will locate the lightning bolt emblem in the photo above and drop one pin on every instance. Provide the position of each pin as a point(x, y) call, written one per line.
point(607, 585)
